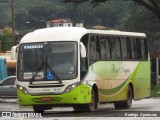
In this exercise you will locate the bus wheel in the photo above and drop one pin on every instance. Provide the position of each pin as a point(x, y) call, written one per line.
point(128, 103)
point(118, 105)
point(78, 108)
point(93, 105)
point(38, 109)
point(87, 107)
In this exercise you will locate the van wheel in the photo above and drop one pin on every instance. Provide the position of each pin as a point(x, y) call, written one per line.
point(38, 109)
point(128, 103)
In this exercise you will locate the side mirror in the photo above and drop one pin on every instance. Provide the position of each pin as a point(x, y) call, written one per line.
point(82, 50)
point(14, 52)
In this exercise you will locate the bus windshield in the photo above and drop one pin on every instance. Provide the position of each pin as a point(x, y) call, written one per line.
point(47, 61)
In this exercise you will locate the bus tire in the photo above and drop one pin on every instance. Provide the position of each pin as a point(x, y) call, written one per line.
point(38, 109)
point(93, 105)
point(118, 105)
point(87, 107)
point(128, 103)
point(78, 108)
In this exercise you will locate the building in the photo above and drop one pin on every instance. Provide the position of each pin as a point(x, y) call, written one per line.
point(60, 22)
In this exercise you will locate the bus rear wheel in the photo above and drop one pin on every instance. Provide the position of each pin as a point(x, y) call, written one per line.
point(128, 103)
point(118, 105)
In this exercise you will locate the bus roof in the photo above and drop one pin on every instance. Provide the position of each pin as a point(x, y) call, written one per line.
point(69, 34)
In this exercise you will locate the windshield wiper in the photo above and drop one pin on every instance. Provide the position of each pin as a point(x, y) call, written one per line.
point(35, 74)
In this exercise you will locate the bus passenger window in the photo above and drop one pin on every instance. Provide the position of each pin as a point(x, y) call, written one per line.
point(94, 50)
point(115, 48)
point(97, 48)
point(104, 47)
point(146, 49)
point(138, 48)
point(135, 49)
point(129, 50)
point(124, 48)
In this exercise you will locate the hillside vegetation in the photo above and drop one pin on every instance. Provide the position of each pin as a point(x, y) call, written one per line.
point(113, 14)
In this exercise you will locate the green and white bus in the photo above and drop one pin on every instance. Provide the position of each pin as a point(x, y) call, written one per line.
point(78, 67)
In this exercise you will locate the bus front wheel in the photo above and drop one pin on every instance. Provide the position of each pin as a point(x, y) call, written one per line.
point(87, 107)
point(38, 109)
point(93, 105)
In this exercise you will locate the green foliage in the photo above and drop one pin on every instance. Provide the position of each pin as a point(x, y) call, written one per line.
point(6, 39)
point(116, 14)
point(38, 12)
point(143, 20)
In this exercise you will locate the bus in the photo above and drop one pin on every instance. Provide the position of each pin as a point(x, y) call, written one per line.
point(79, 67)
point(3, 68)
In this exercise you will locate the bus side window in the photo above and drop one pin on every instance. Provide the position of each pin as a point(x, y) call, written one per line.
point(134, 49)
point(138, 44)
point(115, 48)
point(94, 50)
point(97, 48)
point(107, 48)
point(124, 48)
point(146, 49)
point(129, 50)
point(142, 49)
point(104, 47)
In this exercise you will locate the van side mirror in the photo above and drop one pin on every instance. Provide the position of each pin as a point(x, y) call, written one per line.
point(82, 50)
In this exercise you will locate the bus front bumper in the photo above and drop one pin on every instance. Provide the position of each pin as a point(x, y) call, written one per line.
point(78, 95)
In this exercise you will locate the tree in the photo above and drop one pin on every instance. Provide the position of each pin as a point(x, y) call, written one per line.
point(5, 39)
point(152, 5)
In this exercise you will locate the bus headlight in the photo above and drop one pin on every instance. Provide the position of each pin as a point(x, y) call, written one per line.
point(70, 87)
point(23, 89)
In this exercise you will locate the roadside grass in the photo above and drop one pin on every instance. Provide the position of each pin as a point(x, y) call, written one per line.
point(155, 91)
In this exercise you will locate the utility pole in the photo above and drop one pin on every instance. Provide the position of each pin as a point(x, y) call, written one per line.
point(13, 22)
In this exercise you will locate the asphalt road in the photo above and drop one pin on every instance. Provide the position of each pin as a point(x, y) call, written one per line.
point(142, 108)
